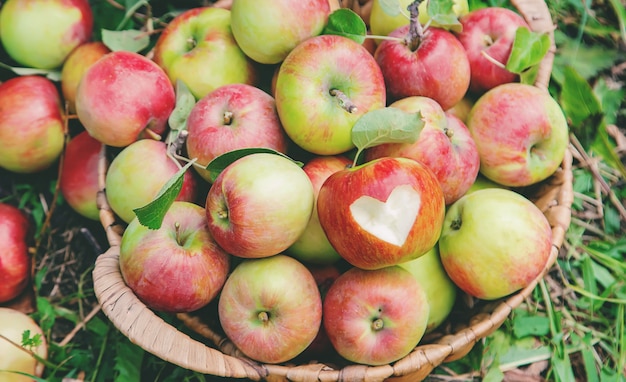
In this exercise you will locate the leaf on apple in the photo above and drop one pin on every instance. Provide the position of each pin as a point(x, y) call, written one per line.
point(219, 163)
point(529, 48)
point(151, 215)
point(53, 75)
point(345, 22)
point(390, 7)
point(127, 40)
point(185, 101)
point(386, 125)
point(443, 14)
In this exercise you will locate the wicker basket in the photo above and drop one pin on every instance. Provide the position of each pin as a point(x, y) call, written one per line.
point(207, 351)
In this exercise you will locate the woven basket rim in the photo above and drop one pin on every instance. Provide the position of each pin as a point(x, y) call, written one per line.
point(146, 329)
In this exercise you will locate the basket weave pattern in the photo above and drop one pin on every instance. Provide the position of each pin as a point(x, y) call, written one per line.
point(216, 355)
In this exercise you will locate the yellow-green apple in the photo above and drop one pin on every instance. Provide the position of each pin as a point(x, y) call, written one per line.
point(384, 212)
point(494, 242)
point(122, 95)
point(259, 205)
point(489, 32)
point(440, 291)
point(17, 358)
point(198, 48)
point(482, 182)
point(31, 124)
point(444, 145)
point(520, 132)
point(267, 30)
point(15, 261)
point(270, 308)
point(76, 64)
point(178, 267)
point(433, 65)
point(375, 317)
point(41, 34)
point(137, 174)
point(323, 87)
point(313, 246)
point(78, 181)
point(231, 117)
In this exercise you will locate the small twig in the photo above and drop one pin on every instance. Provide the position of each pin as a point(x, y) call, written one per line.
point(79, 326)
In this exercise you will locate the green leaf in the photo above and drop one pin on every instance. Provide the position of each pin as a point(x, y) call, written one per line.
point(53, 75)
point(128, 40)
point(219, 163)
point(530, 325)
point(151, 215)
point(345, 22)
point(386, 125)
point(128, 361)
point(442, 13)
point(581, 106)
point(185, 101)
point(620, 12)
point(529, 48)
point(390, 7)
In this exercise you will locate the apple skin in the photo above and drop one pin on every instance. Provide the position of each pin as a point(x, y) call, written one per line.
point(313, 246)
point(198, 48)
point(75, 66)
point(383, 212)
point(270, 308)
point(178, 267)
point(267, 30)
point(259, 205)
point(517, 148)
point(15, 261)
point(445, 145)
point(121, 95)
point(311, 116)
point(375, 317)
point(438, 68)
point(489, 30)
point(233, 117)
point(31, 124)
point(78, 181)
point(13, 324)
point(137, 174)
point(462, 108)
point(441, 292)
point(41, 34)
point(494, 242)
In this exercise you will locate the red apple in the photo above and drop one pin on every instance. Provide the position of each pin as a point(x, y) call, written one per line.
point(233, 117)
point(178, 267)
point(489, 31)
point(122, 95)
point(31, 124)
point(137, 174)
point(383, 212)
point(259, 205)
point(15, 357)
point(75, 66)
point(436, 66)
point(78, 181)
point(15, 261)
point(270, 308)
point(444, 145)
point(313, 246)
point(375, 317)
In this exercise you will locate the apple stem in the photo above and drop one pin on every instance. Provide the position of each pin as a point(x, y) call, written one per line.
point(492, 60)
point(415, 28)
point(263, 316)
point(222, 214)
point(344, 101)
point(177, 228)
point(228, 117)
point(449, 132)
point(151, 134)
point(378, 324)
point(456, 224)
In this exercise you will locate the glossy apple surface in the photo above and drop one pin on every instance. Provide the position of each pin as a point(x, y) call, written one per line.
point(520, 132)
point(75, 66)
point(231, 117)
point(31, 124)
point(41, 34)
point(198, 48)
point(270, 308)
point(494, 242)
point(137, 174)
point(78, 181)
point(121, 95)
point(13, 324)
point(15, 261)
point(178, 267)
point(383, 212)
point(323, 87)
point(259, 205)
point(267, 30)
point(375, 317)
point(313, 245)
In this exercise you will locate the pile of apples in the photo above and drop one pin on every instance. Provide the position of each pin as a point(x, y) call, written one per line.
point(325, 188)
